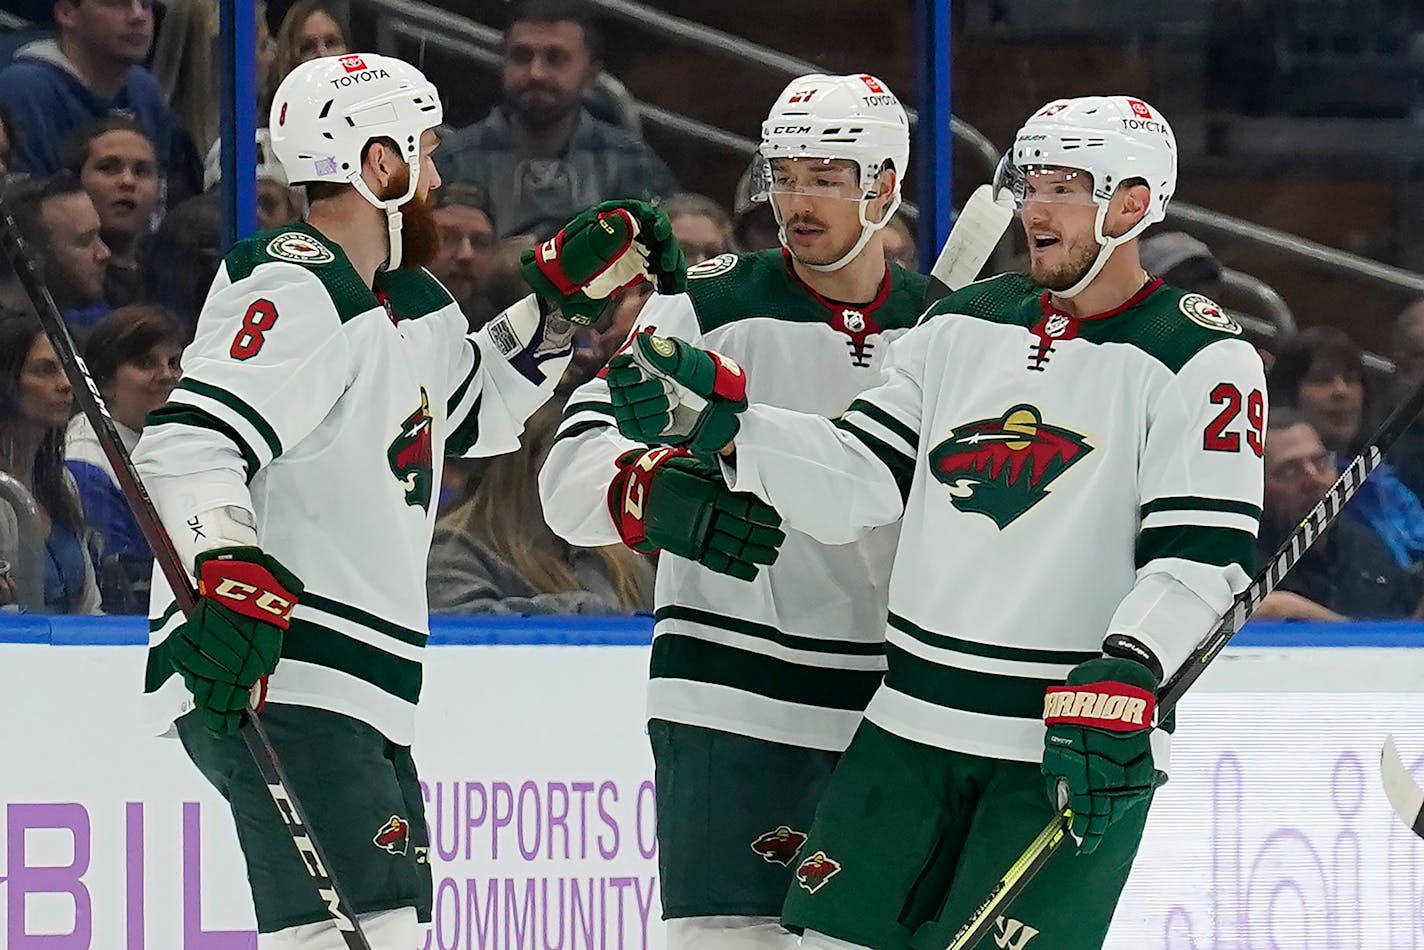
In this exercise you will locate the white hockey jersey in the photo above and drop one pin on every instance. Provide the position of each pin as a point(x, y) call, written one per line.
point(1056, 479)
point(324, 409)
point(794, 655)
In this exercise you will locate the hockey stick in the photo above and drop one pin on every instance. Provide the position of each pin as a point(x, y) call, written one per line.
point(1404, 794)
point(976, 232)
point(1326, 510)
point(91, 403)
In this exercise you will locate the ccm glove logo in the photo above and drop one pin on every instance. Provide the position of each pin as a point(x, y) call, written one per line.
point(1116, 707)
point(248, 589)
point(263, 600)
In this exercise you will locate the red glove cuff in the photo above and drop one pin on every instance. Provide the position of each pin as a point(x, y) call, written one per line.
point(547, 257)
point(248, 589)
point(1115, 707)
point(628, 494)
point(730, 380)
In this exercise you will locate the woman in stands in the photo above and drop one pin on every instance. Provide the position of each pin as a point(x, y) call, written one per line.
point(115, 161)
point(35, 403)
point(133, 357)
point(311, 29)
point(495, 555)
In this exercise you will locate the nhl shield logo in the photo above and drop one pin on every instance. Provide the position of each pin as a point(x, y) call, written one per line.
point(815, 871)
point(1002, 467)
point(411, 455)
point(779, 846)
point(394, 835)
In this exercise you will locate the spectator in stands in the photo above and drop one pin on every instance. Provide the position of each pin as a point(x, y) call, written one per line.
point(35, 402)
point(115, 161)
point(900, 245)
point(541, 155)
point(700, 225)
point(466, 262)
point(61, 226)
point(1182, 261)
point(494, 554)
point(92, 70)
point(1348, 572)
point(133, 357)
point(310, 30)
point(1407, 455)
point(187, 250)
point(277, 202)
point(1321, 372)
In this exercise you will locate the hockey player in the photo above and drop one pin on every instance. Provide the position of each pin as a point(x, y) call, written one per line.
point(1075, 460)
point(295, 467)
point(757, 687)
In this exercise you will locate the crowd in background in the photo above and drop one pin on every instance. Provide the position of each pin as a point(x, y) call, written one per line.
point(109, 151)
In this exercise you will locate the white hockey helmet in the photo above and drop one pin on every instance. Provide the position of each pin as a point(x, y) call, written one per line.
point(327, 109)
point(853, 117)
point(1113, 139)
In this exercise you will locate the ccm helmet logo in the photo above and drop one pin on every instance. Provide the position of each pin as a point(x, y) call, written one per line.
point(791, 130)
point(268, 602)
point(353, 64)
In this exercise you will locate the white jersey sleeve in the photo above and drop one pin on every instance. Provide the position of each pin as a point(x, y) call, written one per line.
point(574, 481)
point(836, 480)
point(1200, 480)
point(266, 365)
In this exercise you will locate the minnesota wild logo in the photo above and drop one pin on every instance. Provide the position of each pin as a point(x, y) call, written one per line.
point(411, 455)
point(1002, 467)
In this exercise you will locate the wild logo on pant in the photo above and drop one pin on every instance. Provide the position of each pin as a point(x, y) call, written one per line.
point(394, 835)
point(779, 846)
point(815, 871)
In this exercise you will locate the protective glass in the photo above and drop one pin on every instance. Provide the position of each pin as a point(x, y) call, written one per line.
point(1048, 183)
point(815, 177)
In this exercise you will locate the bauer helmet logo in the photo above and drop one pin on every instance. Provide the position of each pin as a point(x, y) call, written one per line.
point(394, 836)
point(353, 63)
point(1002, 466)
point(779, 846)
point(813, 873)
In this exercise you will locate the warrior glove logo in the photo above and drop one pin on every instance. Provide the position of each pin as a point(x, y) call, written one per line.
point(815, 871)
point(411, 457)
point(1002, 467)
point(394, 835)
point(779, 846)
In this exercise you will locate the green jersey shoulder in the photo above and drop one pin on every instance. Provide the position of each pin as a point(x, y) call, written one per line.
point(732, 287)
point(1169, 324)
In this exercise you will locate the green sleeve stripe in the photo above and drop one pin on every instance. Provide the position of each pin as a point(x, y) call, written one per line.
point(359, 616)
point(163, 618)
point(579, 428)
point(688, 658)
point(185, 415)
point(900, 465)
point(991, 694)
point(237, 405)
point(467, 433)
point(767, 632)
point(159, 666)
point(309, 642)
point(1197, 503)
point(870, 410)
point(464, 387)
point(991, 651)
point(1219, 547)
point(588, 405)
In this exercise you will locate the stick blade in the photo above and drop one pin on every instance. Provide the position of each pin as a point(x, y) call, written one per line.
point(1404, 795)
point(977, 230)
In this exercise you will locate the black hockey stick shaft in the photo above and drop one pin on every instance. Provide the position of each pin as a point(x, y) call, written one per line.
point(91, 403)
point(1320, 517)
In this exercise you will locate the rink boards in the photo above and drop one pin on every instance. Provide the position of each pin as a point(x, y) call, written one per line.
point(1272, 833)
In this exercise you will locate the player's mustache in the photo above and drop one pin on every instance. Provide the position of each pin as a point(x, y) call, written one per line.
point(806, 219)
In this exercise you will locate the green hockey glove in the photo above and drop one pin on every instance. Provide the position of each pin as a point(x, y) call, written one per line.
point(233, 639)
point(602, 250)
point(1098, 743)
point(667, 392)
point(664, 499)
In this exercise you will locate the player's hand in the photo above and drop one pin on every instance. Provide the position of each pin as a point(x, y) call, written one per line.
point(668, 392)
point(602, 250)
point(231, 643)
point(1099, 743)
point(664, 499)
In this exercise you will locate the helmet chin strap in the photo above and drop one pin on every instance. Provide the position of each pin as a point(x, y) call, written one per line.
point(1106, 246)
point(392, 206)
point(867, 228)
